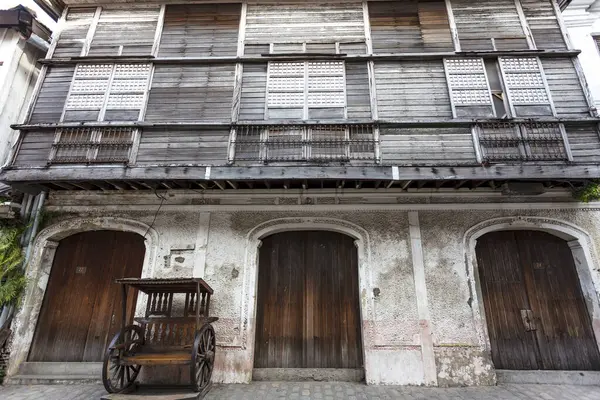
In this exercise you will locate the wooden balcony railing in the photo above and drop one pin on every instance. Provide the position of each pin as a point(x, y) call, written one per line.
point(310, 143)
point(530, 141)
point(92, 145)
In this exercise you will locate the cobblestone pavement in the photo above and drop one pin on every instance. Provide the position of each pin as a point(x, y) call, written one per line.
point(326, 391)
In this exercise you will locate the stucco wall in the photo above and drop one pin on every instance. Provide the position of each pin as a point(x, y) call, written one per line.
point(222, 247)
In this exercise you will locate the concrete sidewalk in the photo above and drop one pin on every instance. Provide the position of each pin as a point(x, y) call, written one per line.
point(327, 391)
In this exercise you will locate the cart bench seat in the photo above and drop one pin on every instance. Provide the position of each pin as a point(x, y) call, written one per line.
point(171, 358)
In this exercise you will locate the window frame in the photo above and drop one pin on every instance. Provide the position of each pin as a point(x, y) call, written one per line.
point(109, 90)
point(306, 76)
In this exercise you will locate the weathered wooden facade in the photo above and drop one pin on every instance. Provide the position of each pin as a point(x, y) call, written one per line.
point(392, 93)
point(328, 168)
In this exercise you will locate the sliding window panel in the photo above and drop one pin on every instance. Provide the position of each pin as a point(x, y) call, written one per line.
point(488, 25)
point(125, 31)
point(51, 99)
point(543, 24)
point(191, 93)
point(469, 89)
point(412, 90)
point(74, 32)
point(412, 26)
point(200, 30)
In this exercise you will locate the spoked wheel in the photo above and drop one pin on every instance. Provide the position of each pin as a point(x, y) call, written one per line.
point(203, 358)
point(116, 376)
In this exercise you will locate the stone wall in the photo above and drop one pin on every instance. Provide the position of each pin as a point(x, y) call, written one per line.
point(222, 247)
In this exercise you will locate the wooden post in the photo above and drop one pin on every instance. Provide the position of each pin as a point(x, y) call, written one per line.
point(124, 305)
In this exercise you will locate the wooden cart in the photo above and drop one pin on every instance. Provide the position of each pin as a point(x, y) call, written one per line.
point(162, 338)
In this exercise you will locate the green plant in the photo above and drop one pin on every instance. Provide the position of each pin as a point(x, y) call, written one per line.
point(12, 278)
point(589, 192)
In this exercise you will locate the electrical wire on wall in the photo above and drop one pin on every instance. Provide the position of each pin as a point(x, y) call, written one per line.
point(162, 201)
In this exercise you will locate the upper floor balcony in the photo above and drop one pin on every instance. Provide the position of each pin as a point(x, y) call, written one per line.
point(431, 93)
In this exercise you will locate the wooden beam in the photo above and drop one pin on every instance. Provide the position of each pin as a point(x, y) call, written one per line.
point(377, 184)
point(460, 184)
point(220, 185)
point(93, 174)
point(234, 185)
point(406, 184)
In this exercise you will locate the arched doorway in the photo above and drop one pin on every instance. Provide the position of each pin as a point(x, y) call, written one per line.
point(534, 306)
point(81, 309)
point(308, 302)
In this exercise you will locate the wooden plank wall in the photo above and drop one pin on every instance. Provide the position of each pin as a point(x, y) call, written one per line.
point(358, 102)
point(74, 32)
point(427, 146)
point(567, 93)
point(35, 149)
point(410, 26)
point(585, 142)
point(132, 28)
point(412, 90)
point(200, 30)
point(254, 89)
point(478, 22)
point(300, 22)
point(191, 93)
point(53, 94)
point(543, 24)
point(184, 146)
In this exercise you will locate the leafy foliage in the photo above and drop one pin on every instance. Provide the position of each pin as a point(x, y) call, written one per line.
point(589, 192)
point(12, 278)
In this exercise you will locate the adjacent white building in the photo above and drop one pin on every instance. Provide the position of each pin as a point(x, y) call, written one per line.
point(582, 18)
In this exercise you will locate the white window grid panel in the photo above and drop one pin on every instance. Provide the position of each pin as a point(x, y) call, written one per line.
point(286, 100)
point(87, 86)
point(286, 84)
point(460, 65)
point(519, 64)
point(331, 68)
point(85, 102)
point(467, 97)
point(92, 71)
point(326, 99)
point(132, 71)
point(467, 83)
point(128, 85)
point(326, 83)
point(529, 96)
point(306, 84)
point(108, 86)
point(125, 101)
point(525, 83)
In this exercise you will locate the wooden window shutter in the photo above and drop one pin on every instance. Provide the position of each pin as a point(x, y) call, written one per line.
point(126, 31)
point(469, 89)
point(74, 32)
point(410, 26)
point(543, 24)
point(200, 30)
point(526, 87)
point(489, 25)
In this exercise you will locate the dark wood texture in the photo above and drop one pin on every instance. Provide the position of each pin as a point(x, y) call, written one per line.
point(535, 310)
point(81, 309)
point(308, 302)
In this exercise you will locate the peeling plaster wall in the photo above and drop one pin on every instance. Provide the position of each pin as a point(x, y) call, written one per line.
point(222, 248)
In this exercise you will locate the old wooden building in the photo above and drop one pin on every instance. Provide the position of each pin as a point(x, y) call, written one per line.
point(376, 190)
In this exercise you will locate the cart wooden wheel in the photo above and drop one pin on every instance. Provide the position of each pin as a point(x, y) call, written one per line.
point(203, 358)
point(116, 376)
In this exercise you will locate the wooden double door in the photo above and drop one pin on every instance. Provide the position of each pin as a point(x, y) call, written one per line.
point(535, 310)
point(82, 307)
point(308, 302)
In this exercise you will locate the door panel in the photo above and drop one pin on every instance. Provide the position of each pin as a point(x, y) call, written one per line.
point(308, 306)
point(535, 310)
point(81, 310)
